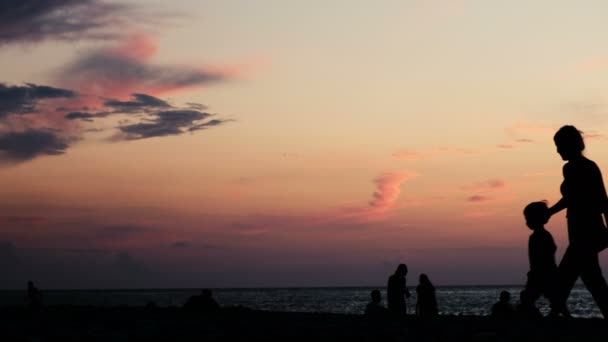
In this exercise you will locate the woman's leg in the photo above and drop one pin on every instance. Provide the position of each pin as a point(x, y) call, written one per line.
point(591, 274)
point(568, 271)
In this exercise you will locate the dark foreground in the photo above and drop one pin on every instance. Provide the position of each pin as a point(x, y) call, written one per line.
point(174, 324)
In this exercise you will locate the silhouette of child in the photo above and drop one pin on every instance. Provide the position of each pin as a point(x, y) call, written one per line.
point(375, 307)
point(503, 309)
point(426, 304)
point(542, 277)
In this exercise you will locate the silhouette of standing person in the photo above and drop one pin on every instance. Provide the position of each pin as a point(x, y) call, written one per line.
point(584, 197)
point(396, 290)
point(34, 297)
point(426, 303)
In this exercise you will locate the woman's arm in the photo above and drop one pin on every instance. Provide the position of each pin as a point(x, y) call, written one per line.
point(557, 207)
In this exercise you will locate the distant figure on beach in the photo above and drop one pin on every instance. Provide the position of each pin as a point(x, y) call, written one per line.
point(426, 303)
point(397, 291)
point(526, 309)
point(542, 277)
point(375, 307)
point(203, 303)
point(584, 197)
point(34, 297)
point(503, 308)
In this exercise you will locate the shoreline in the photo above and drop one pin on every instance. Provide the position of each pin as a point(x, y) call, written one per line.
point(69, 323)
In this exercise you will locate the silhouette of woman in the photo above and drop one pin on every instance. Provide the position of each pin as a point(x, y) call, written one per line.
point(584, 197)
point(426, 303)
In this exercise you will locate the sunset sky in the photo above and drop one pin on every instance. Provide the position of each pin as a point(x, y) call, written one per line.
point(227, 143)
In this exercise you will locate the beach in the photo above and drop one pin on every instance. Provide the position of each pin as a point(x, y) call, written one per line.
point(72, 323)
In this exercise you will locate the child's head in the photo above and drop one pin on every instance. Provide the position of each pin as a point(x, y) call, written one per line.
point(376, 296)
point(536, 214)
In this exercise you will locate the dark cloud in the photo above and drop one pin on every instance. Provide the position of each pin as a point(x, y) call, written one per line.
point(38, 20)
point(80, 115)
point(165, 123)
point(27, 145)
point(181, 244)
point(205, 125)
point(140, 102)
point(196, 106)
point(111, 69)
point(23, 99)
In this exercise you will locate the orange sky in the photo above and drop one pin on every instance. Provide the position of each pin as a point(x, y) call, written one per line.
point(290, 145)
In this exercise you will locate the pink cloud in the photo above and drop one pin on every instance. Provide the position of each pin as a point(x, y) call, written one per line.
point(388, 188)
point(120, 70)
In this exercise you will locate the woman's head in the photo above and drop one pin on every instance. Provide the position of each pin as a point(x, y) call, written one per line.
point(569, 142)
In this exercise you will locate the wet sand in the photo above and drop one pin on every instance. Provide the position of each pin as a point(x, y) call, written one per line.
point(239, 324)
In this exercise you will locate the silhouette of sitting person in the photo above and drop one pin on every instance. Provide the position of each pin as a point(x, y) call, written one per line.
point(526, 309)
point(375, 307)
point(203, 303)
point(34, 297)
point(426, 303)
point(503, 309)
point(543, 276)
point(397, 291)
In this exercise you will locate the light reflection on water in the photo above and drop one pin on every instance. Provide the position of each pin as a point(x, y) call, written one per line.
point(452, 300)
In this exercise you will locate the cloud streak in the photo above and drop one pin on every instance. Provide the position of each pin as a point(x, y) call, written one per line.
point(29, 21)
point(23, 146)
point(126, 68)
point(24, 99)
point(152, 120)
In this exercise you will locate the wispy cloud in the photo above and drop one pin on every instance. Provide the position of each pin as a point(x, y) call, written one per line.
point(479, 198)
point(154, 118)
point(388, 189)
point(485, 191)
point(525, 133)
point(26, 21)
point(33, 128)
point(126, 68)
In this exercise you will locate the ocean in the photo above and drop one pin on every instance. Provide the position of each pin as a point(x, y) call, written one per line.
point(452, 300)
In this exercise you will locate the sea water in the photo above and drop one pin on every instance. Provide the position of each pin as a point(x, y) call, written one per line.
point(452, 300)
